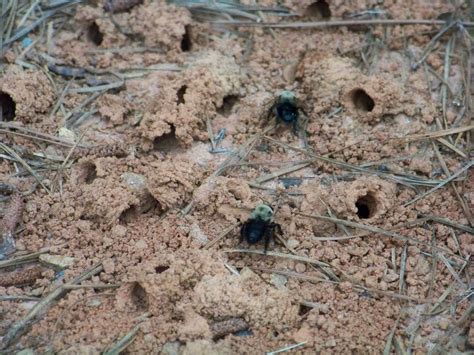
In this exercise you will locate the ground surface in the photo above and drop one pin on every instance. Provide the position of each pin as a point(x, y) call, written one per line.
point(132, 188)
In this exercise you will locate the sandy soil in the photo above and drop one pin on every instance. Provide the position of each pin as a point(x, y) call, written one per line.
point(129, 182)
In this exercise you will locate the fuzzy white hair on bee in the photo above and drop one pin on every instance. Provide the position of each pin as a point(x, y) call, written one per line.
point(287, 96)
point(263, 212)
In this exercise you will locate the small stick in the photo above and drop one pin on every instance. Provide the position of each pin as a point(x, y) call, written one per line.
point(20, 326)
point(280, 255)
point(220, 236)
point(25, 276)
point(430, 45)
point(280, 172)
point(450, 223)
point(449, 179)
point(229, 326)
point(8, 224)
point(15, 155)
point(338, 23)
point(23, 259)
point(18, 298)
point(378, 231)
point(452, 147)
point(13, 215)
point(388, 344)
point(403, 266)
point(123, 342)
point(464, 206)
point(437, 134)
point(288, 348)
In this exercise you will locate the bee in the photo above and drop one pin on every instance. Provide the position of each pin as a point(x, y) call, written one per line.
point(287, 110)
point(260, 226)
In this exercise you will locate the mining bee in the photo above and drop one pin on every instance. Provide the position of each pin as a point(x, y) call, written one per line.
point(260, 226)
point(286, 109)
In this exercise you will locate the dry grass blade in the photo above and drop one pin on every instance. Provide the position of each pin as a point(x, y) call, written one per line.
point(280, 255)
point(227, 9)
point(452, 147)
point(123, 342)
point(441, 299)
point(399, 346)
point(104, 88)
point(23, 259)
point(18, 298)
point(220, 236)
point(467, 211)
point(450, 223)
point(432, 43)
point(377, 230)
point(95, 287)
point(339, 23)
point(406, 180)
point(440, 185)
point(41, 307)
point(403, 267)
point(30, 17)
point(242, 152)
point(437, 134)
point(232, 160)
point(388, 344)
point(279, 172)
point(34, 134)
point(294, 275)
point(288, 348)
point(394, 295)
point(434, 263)
point(446, 70)
point(355, 283)
point(451, 270)
point(13, 154)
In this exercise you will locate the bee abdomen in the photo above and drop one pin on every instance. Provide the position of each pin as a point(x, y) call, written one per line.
point(287, 112)
point(255, 230)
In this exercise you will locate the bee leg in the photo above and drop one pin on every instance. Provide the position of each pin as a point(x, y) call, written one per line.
point(242, 233)
point(271, 112)
point(278, 229)
point(295, 127)
point(268, 235)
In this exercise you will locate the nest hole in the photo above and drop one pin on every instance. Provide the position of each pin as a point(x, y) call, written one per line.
point(304, 310)
point(366, 206)
point(161, 268)
point(94, 35)
point(228, 104)
point(129, 214)
point(148, 203)
point(167, 142)
point(186, 43)
point(319, 10)
point(139, 297)
point(86, 173)
point(361, 100)
point(114, 6)
point(180, 94)
point(7, 107)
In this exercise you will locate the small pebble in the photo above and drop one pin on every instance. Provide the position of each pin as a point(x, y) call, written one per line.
point(58, 261)
point(279, 281)
point(443, 324)
point(300, 267)
point(109, 266)
point(292, 243)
